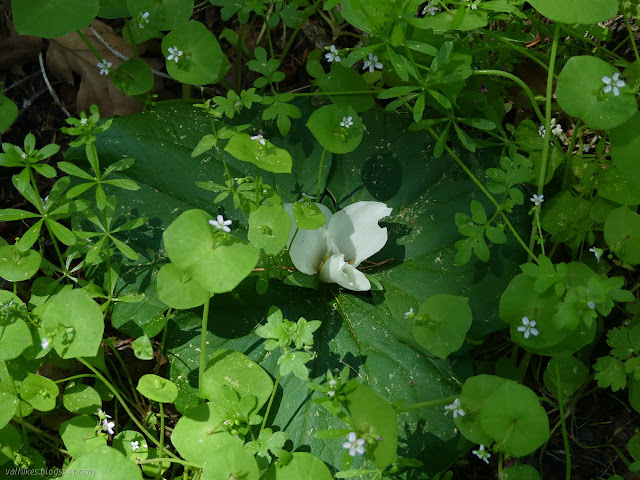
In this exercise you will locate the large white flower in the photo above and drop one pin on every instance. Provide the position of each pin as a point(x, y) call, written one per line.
point(335, 250)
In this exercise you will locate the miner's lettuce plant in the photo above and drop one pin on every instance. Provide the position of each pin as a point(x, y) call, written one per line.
point(304, 276)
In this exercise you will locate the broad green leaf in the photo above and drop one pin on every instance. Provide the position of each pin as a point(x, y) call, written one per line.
point(268, 157)
point(573, 373)
point(142, 348)
point(201, 61)
point(157, 388)
point(113, 9)
point(16, 266)
point(302, 465)
point(513, 417)
point(445, 21)
point(39, 392)
point(325, 124)
point(580, 92)
point(178, 289)
point(521, 472)
point(133, 77)
point(77, 321)
point(78, 434)
point(8, 404)
point(217, 262)
point(622, 234)
point(345, 79)
point(81, 399)
point(8, 113)
point(442, 323)
point(574, 11)
point(625, 144)
point(229, 462)
point(307, 215)
point(227, 368)
point(107, 463)
point(15, 335)
point(10, 440)
point(199, 432)
point(366, 15)
point(269, 228)
point(52, 18)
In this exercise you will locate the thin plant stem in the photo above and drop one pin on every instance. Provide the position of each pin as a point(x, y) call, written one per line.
point(565, 437)
point(632, 37)
point(161, 446)
point(162, 342)
point(319, 189)
point(428, 404)
point(547, 122)
point(273, 394)
point(203, 344)
point(23, 430)
point(168, 460)
point(306, 14)
point(126, 372)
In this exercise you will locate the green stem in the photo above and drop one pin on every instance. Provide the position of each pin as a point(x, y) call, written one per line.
point(487, 194)
point(577, 35)
point(161, 446)
point(521, 83)
point(577, 134)
point(518, 49)
point(319, 190)
point(632, 38)
point(349, 92)
point(203, 344)
point(168, 460)
point(547, 121)
point(565, 437)
point(273, 394)
point(126, 372)
point(81, 375)
point(301, 21)
point(428, 404)
point(90, 45)
point(162, 342)
point(23, 430)
point(122, 402)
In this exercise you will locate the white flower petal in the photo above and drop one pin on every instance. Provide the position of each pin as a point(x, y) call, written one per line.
point(309, 246)
point(336, 270)
point(354, 231)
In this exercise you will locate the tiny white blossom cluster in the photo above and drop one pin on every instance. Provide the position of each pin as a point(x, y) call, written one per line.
point(482, 454)
point(372, 63)
point(143, 19)
point(332, 387)
point(597, 252)
point(355, 445)
point(556, 129)
point(613, 84)
point(455, 408)
point(44, 343)
point(346, 121)
point(409, 314)
point(333, 55)
point(260, 139)
point(104, 67)
point(105, 423)
point(220, 223)
point(537, 199)
point(174, 54)
point(528, 328)
point(430, 8)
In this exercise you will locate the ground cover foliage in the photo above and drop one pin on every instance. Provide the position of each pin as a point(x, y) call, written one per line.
point(415, 264)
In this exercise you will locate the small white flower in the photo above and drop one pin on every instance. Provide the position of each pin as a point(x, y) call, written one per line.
point(333, 55)
point(597, 252)
point(474, 6)
point(174, 54)
point(586, 148)
point(430, 9)
point(409, 314)
point(591, 305)
point(23, 155)
point(355, 445)
point(134, 446)
point(44, 343)
point(101, 414)
point(455, 408)
point(372, 63)
point(220, 223)
point(613, 84)
point(143, 19)
point(482, 454)
point(346, 121)
point(537, 199)
point(259, 138)
point(83, 121)
point(108, 426)
point(528, 328)
point(104, 67)
point(332, 383)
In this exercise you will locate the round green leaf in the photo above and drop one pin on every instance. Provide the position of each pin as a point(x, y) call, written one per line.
point(39, 392)
point(52, 18)
point(625, 145)
point(142, 348)
point(231, 462)
point(201, 60)
point(178, 289)
point(15, 335)
point(475, 392)
point(157, 388)
point(371, 413)
point(228, 368)
point(343, 78)
point(573, 373)
point(107, 463)
point(324, 123)
point(442, 323)
point(163, 14)
point(122, 443)
point(8, 113)
point(307, 215)
point(81, 399)
point(269, 228)
point(79, 321)
point(514, 418)
point(8, 404)
point(575, 11)
point(622, 234)
point(133, 77)
point(268, 157)
point(200, 432)
point(521, 472)
point(113, 9)
point(580, 93)
point(16, 266)
point(302, 465)
point(217, 262)
point(78, 435)
point(10, 441)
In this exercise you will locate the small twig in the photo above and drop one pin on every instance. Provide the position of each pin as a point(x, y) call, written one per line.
point(51, 90)
point(26, 104)
point(120, 55)
point(19, 82)
point(373, 264)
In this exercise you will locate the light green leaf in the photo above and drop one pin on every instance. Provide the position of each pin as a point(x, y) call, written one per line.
point(44, 18)
point(268, 157)
point(157, 388)
point(573, 11)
